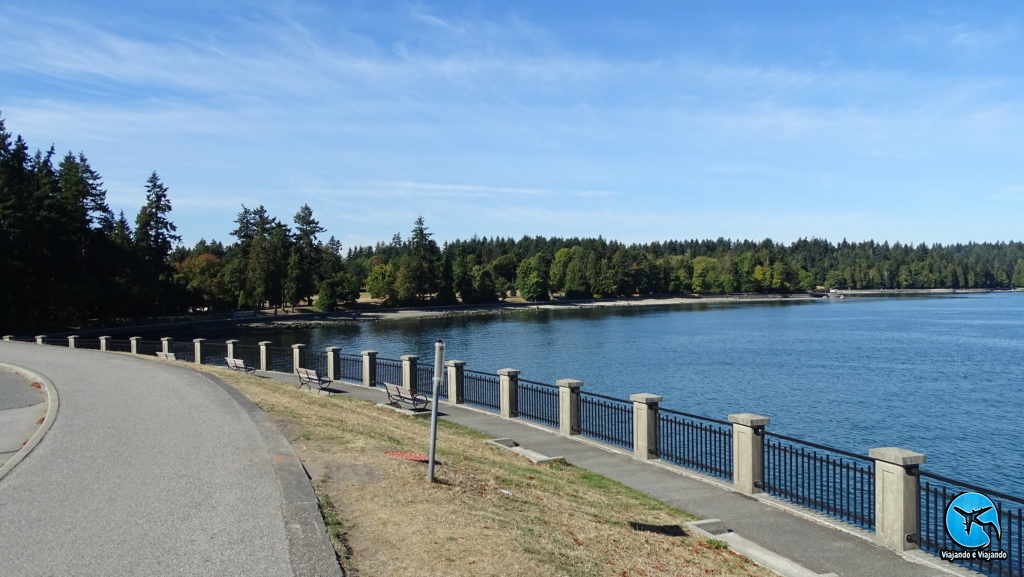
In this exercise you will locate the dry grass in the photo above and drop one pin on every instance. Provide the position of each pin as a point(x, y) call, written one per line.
point(492, 513)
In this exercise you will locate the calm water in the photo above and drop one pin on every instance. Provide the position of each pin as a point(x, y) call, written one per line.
point(939, 375)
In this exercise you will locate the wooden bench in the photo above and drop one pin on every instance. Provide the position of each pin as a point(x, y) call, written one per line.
point(397, 394)
point(239, 365)
point(310, 377)
point(166, 356)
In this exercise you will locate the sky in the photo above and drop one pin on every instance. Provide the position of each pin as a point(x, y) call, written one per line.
point(635, 121)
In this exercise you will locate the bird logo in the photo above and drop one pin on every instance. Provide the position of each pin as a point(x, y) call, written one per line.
point(971, 521)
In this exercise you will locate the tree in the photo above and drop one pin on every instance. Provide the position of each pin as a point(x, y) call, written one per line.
point(425, 257)
point(306, 275)
point(532, 278)
point(380, 282)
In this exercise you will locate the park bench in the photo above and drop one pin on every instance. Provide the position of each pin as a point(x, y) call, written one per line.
point(397, 394)
point(310, 377)
point(166, 356)
point(239, 365)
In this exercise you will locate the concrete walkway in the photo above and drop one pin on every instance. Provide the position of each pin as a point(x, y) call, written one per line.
point(798, 538)
point(154, 469)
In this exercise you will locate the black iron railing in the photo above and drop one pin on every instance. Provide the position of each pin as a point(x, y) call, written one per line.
point(537, 402)
point(149, 348)
point(57, 341)
point(938, 492)
point(119, 345)
point(215, 353)
point(389, 371)
point(280, 359)
point(694, 442)
point(481, 390)
point(351, 367)
point(315, 359)
point(828, 480)
point(183, 350)
point(248, 353)
point(90, 344)
point(606, 419)
point(425, 381)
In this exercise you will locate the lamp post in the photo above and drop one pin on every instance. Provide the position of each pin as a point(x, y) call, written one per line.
point(438, 368)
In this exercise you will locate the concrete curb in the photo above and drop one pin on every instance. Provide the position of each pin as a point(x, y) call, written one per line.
point(52, 406)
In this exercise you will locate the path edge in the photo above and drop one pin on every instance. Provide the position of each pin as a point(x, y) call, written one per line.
point(52, 406)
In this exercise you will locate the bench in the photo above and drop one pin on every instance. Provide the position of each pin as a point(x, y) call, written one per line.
point(310, 377)
point(397, 394)
point(239, 365)
point(166, 356)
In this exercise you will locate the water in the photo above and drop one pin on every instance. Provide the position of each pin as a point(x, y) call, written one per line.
point(938, 375)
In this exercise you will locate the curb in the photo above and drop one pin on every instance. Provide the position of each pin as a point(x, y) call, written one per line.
point(52, 406)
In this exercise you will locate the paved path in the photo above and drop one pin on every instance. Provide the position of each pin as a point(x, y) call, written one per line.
point(152, 469)
point(21, 408)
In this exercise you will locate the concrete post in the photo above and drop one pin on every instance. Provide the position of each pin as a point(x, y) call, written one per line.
point(297, 357)
point(105, 343)
point(72, 341)
point(645, 425)
point(198, 352)
point(40, 339)
point(896, 497)
point(508, 385)
point(409, 371)
point(231, 348)
point(456, 383)
point(369, 368)
point(264, 356)
point(168, 343)
point(748, 452)
point(333, 366)
point(134, 344)
point(569, 406)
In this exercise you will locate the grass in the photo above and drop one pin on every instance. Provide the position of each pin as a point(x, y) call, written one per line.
point(490, 513)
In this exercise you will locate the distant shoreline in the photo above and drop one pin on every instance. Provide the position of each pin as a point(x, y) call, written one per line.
point(411, 313)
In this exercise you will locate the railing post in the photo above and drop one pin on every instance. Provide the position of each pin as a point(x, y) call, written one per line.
point(897, 497)
point(508, 383)
point(168, 342)
point(369, 368)
point(264, 356)
point(105, 343)
point(645, 425)
point(569, 406)
point(40, 339)
point(72, 341)
point(297, 357)
point(409, 371)
point(134, 344)
point(333, 367)
point(198, 351)
point(748, 452)
point(231, 348)
point(456, 381)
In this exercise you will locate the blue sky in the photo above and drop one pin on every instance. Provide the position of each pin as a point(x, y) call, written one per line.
point(634, 121)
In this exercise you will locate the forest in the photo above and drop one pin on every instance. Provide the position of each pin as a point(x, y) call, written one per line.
point(69, 261)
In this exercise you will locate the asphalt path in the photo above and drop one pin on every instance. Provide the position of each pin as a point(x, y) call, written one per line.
point(21, 408)
point(154, 469)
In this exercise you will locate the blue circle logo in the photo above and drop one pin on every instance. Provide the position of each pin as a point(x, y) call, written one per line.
point(969, 518)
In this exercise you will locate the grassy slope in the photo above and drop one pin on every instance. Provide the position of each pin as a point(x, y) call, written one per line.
point(492, 513)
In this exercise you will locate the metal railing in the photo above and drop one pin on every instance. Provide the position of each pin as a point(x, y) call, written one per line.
point(183, 350)
point(351, 367)
point(149, 348)
point(828, 480)
point(90, 344)
point(936, 495)
point(280, 359)
point(606, 419)
point(695, 442)
point(537, 402)
point(315, 359)
point(389, 371)
point(215, 353)
point(248, 353)
point(119, 345)
point(481, 390)
point(425, 381)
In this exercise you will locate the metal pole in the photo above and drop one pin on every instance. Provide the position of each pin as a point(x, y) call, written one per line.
point(438, 367)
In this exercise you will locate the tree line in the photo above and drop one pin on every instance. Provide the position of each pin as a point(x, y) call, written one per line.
point(67, 259)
